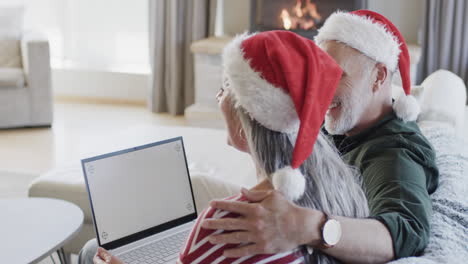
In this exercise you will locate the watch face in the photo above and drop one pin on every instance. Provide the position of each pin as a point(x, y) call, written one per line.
point(332, 232)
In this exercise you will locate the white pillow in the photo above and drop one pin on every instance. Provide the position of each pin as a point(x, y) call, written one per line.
point(10, 53)
point(11, 21)
point(11, 78)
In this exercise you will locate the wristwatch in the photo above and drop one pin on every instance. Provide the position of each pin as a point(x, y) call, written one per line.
point(331, 232)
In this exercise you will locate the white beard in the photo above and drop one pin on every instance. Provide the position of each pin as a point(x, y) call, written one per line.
point(351, 109)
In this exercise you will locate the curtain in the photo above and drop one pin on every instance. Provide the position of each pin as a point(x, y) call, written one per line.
point(173, 26)
point(445, 38)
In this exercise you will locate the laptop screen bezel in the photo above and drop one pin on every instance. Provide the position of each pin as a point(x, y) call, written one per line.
point(152, 230)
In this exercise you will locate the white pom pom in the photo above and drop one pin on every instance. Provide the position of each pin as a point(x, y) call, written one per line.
point(406, 107)
point(290, 182)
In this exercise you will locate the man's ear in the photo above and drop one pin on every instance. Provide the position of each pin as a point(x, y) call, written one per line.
point(381, 77)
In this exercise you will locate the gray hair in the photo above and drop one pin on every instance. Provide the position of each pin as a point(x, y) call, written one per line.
point(331, 185)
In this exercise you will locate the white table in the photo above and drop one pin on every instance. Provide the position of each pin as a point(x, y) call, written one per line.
point(33, 228)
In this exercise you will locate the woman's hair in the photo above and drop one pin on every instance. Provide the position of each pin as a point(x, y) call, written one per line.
point(332, 186)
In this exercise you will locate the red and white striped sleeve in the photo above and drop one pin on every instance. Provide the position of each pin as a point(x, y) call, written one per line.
point(198, 250)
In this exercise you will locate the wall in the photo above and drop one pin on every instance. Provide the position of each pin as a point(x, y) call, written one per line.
point(100, 85)
point(235, 16)
point(406, 14)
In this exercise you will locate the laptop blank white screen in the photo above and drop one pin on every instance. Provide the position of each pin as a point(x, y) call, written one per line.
point(136, 190)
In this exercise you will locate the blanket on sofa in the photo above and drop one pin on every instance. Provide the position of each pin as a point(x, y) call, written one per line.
point(449, 234)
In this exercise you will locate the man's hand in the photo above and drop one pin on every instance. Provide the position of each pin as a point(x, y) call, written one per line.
point(270, 224)
point(104, 257)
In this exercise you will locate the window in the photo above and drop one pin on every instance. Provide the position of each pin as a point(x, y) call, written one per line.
point(103, 35)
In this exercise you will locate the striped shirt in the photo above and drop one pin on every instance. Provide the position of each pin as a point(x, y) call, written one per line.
point(198, 250)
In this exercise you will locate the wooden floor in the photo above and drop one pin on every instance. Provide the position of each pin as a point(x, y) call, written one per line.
point(76, 126)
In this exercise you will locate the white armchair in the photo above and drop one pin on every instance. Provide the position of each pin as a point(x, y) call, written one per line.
point(25, 82)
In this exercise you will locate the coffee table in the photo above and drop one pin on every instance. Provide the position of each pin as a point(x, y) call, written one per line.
point(33, 228)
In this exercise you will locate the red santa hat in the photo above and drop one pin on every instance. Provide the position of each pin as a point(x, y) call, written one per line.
point(375, 36)
point(286, 83)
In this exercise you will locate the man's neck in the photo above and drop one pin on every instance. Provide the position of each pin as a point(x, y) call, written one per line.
point(262, 181)
point(263, 185)
point(369, 118)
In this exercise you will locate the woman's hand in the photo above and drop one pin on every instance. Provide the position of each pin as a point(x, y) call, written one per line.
point(104, 257)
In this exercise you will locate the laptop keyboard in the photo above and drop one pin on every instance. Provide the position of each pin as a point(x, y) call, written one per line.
point(159, 251)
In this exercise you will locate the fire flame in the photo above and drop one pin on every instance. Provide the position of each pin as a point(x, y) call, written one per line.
point(312, 8)
point(304, 15)
point(286, 19)
point(298, 9)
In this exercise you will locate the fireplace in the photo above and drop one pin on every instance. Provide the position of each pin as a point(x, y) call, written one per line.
point(301, 16)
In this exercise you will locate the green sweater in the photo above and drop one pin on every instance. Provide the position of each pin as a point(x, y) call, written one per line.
point(399, 173)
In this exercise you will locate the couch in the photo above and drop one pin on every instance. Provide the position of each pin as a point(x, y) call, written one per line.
point(25, 76)
point(209, 155)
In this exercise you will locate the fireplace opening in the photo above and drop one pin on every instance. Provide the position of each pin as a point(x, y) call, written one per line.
point(304, 17)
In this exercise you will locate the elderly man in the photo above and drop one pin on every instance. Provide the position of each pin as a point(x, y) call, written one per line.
point(376, 135)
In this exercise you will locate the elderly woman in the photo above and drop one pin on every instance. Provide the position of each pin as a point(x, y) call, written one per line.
point(278, 87)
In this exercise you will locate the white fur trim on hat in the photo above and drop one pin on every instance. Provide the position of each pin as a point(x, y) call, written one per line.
point(271, 106)
point(363, 34)
point(406, 107)
point(290, 182)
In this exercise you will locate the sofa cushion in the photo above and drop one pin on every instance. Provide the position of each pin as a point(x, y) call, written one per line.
point(444, 99)
point(11, 21)
point(10, 53)
point(65, 182)
point(11, 78)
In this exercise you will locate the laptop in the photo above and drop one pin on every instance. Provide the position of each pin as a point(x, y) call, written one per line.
point(142, 201)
